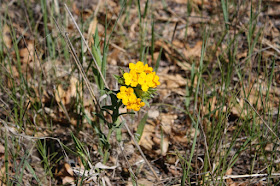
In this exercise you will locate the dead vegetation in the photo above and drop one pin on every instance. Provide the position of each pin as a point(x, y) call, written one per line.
point(215, 118)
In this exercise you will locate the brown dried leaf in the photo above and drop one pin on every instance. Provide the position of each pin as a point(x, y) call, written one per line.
point(164, 147)
point(146, 138)
point(177, 43)
point(2, 151)
point(243, 54)
point(269, 147)
point(75, 9)
point(229, 181)
point(114, 56)
point(204, 2)
point(229, 171)
point(68, 179)
point(153, 113)
point(65, 96)
point(273, 10)
point(69, 169)
point(167, 121)
point(164, 45)
point(181, 1)
point(182, 139)
point(100, 165)
point(185, 66)
point(193, 52)
point(75, 87)
point(172, 81)
point(133, 27)
point(27, 53)
point(59, 95)
point(3, 174)
point(6, 36)
point(191, 133)
point(141, 181)
point(236, 110)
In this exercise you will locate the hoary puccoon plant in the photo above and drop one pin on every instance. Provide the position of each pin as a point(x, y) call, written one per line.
point(137, 86)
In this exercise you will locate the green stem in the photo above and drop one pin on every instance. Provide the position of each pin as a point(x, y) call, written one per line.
point(106, 153)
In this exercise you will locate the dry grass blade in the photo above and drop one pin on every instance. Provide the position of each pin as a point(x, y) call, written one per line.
point(96, 65)
point(86, 80)
point(247, 176)
point(76, 59)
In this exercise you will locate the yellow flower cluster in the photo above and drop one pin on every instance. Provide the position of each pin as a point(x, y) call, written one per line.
point(141, 74)
point(140, 77)
point(129, 99)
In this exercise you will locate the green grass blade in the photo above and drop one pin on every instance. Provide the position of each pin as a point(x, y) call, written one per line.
point(158, 60)
point(225, 12)
point(7, 159)
point(140, 127)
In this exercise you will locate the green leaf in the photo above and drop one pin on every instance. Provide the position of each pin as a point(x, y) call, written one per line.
point(31, 170)
point(119, 134)
point(81, 149)
point(116, 77)
point(127, 113)
point(101, 117)
point(108, 107)
point(146, 9)
point(146, 102)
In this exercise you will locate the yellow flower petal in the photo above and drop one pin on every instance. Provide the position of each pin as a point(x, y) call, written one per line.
point(131, 66)
point(123, 89)
point(127, 78)
point(145, 87)
point(136, 108)
point(130, 90)
point(142, 78)
point(148, 69)
point(125, 100)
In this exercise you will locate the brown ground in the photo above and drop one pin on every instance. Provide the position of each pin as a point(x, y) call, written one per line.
point(50, 107)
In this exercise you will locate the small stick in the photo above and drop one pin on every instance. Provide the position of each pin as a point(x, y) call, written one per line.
point(247, 176)
point(125, 124)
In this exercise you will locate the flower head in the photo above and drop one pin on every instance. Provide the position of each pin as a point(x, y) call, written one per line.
point(131, 78)
point(140, 78)
point(129, 98)
point(126, 94)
